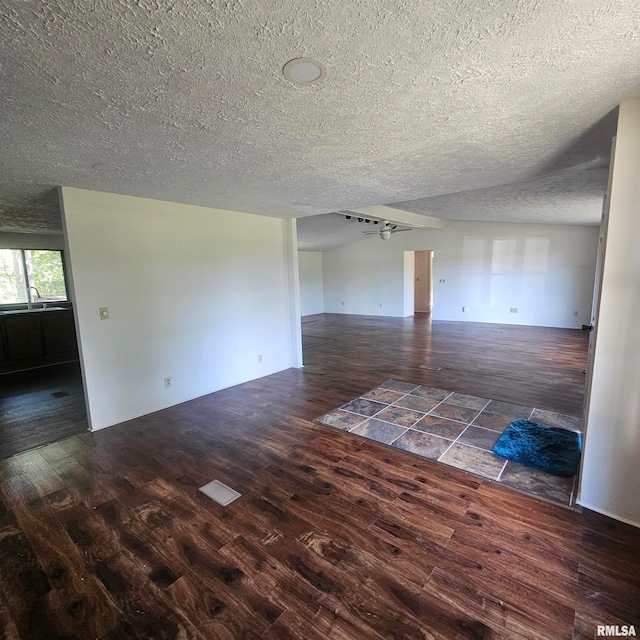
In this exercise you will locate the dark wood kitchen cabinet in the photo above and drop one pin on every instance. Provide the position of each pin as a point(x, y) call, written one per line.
point(59, 332)
point(23, 336)
point(36, 338)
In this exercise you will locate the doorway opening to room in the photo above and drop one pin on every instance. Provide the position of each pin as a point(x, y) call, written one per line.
point(41, 393)
point(423, 282)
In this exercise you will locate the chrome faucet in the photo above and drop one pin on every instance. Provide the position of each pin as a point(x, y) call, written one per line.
point(29, 301)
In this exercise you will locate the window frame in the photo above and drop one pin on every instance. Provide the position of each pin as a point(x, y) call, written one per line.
point(17, 306)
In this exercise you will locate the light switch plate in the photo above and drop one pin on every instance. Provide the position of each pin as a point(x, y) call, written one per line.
point(104, 313)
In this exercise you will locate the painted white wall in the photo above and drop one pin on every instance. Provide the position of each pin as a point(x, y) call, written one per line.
point(292, 268)
point(409, 269)
point(544, 271)
point(193, 293)
point(365, 278)
point(311, 283)
point(610, 471)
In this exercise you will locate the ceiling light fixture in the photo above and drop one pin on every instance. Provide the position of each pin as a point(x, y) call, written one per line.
point(305, 71)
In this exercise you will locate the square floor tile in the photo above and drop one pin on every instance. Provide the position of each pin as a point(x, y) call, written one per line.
point(379, 430)
point(416, 403)
point(363, 407)
point(440, 427)
point(537, 482)
point(467, 458)
point(423, 444)
point(341, 419)
point(492, 421)
point(551, 419)
point(513, 411)
point(383, 395)
point(398, 415)
point(454, 412)
point(431, 393)
point(458, 430)
point(479, 437)
point(471, 402)
point(399, 385)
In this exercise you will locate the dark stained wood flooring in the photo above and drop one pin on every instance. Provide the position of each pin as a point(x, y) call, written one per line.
point(105, 534)
point(532, 366)
point(40, 406)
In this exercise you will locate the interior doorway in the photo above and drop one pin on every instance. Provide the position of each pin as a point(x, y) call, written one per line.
point(40, 406)
point(423, 283)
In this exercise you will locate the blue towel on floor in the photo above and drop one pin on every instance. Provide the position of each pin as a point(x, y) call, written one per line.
point(551, 449)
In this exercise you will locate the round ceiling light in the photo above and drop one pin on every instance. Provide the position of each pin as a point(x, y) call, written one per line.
point(305, 71)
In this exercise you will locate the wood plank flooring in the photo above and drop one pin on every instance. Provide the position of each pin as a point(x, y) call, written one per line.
point(40, 406)
point(105, 534)
point(533, 366)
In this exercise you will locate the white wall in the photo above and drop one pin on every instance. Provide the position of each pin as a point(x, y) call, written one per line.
point(193, 293)
point(544, 271)
point(611, 466)
point(311, 283)
point(409, 270)
point(365, 278)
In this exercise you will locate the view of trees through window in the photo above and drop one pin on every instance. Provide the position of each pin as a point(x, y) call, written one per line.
point(31, 275)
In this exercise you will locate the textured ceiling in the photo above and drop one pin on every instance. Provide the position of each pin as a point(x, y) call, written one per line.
point(184, 100)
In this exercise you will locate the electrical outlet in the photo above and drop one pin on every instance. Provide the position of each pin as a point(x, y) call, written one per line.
point(575, 314)
point(442, 280)
point(259, 357)
point(465, 309)
point(167, 382)
point(513, 310)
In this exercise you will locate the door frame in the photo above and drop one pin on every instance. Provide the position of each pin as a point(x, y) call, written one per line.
point(595, 305)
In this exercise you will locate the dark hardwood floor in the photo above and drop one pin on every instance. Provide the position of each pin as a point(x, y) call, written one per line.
point(536, 366)
point(40, 406)
point(105, 534)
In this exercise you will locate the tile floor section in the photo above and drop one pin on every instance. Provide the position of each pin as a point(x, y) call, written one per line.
point(453, 428)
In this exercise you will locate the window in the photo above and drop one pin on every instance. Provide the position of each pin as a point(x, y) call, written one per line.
point(30, 276)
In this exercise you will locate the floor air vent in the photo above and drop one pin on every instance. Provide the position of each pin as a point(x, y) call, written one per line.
point(219, 492)
point(429, 367)
point(59, 394)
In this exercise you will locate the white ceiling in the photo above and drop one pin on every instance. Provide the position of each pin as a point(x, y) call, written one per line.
point(501, 109)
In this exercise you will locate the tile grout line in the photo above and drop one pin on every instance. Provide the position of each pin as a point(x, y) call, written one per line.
point(400, 436)
point(393, 404)
point(445, 452)
point(466, 425)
